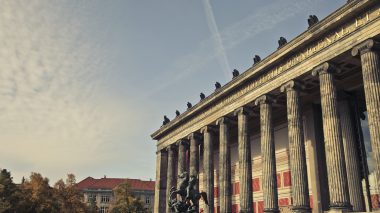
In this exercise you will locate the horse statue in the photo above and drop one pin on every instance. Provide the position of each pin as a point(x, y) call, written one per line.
point(189, 196)
point(193, 195)
point(182, 186)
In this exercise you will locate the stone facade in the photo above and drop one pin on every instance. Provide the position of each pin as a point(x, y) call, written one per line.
point(285, 135)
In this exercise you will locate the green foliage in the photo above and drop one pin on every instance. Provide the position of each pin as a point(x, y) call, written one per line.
point(125, 202)
point(9, 193)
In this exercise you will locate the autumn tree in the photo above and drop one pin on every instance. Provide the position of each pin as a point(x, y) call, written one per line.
point(39, 194)
point(125, 202)
point(68, 196)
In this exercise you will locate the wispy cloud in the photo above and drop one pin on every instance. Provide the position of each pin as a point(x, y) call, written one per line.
point(217, 38)
point(52, 111)
point(268, 17)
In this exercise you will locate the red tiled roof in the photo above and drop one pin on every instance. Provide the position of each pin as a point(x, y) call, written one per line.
point(110, 183)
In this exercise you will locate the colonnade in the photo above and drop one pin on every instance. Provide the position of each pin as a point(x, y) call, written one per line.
point(345, 190)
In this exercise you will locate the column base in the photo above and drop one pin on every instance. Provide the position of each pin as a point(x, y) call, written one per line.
point(272, 210)
point(338, 211)
point(340, 207)
point(301, 209)
point(246, 211)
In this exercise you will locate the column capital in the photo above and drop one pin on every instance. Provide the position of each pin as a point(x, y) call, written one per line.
point(208, 128)
point(183, 142)
point(264, 99)
point(292, 85)
point(171, 147)
point(163, 150)
point(243, 110)
point(194, 135)
point(224, 120)
point(326, 67)
point(366, 46)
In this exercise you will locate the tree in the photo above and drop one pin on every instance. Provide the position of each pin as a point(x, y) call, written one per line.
point(39, 194)
point(125, 202)
point(68, 196)
point(7, 191)
point(34, 195)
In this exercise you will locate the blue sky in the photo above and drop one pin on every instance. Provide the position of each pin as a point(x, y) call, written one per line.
point(83, 84)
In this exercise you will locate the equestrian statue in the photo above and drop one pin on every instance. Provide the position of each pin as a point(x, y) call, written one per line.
point(186, 198)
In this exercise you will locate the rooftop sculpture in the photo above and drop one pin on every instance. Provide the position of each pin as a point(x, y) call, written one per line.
point(235, 73)
point(189, 105)
point(203, 96)
point(217, 85)
point(281, 42)
point(256, 59)
point(312, 20)
point(166, 120)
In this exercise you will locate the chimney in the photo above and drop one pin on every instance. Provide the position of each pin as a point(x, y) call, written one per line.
point(105, 176)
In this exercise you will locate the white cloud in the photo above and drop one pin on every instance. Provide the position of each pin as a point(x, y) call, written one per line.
point(53, 113)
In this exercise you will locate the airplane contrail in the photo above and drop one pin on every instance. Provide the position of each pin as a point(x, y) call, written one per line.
point(220, 50)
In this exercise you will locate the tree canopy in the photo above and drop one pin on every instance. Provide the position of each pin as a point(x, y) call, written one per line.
point(125, 202)
point(37, 196)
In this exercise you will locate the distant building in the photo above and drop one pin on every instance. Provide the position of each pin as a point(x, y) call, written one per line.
point(101, 190)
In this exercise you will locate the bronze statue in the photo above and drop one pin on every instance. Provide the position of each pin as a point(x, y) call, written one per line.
point(189, 196)
point(282, 42)
point(256, 59)
point(217, 85)
point(202, 96)
point(235, 73)
point(166, 120)
point(177, 113)
point(312, 20)
point(189, 105)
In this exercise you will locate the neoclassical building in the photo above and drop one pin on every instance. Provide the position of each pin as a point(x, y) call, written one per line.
point(287, 134)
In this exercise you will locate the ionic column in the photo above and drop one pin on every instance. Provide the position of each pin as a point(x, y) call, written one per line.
point(268, 156)
point(352, 158)
point(160, 186)
point(194, 139)
point(336, 168)
point(208, 166)
point(224, 165)
point(370, 58)
point(170, 178)
point(300, 188)
point(245, 161)
point(182, 147)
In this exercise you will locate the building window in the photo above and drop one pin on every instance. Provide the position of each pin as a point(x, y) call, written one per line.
point(104, 209)
point(147, 199)
point(105, 199)
point(91, 197)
